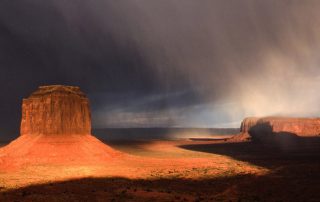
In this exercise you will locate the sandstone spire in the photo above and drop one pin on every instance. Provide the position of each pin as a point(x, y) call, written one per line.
point(56, 110)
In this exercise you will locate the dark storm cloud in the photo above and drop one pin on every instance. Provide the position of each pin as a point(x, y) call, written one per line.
point(164, 63)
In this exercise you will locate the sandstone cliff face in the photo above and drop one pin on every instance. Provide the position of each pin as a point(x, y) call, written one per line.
point(56, 110)
point(56, 129)
point(298, 126)
point(247, 123)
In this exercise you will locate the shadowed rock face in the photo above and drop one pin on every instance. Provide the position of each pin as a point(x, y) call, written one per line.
point(56, 110)
point(248, 123)
point(299, 126)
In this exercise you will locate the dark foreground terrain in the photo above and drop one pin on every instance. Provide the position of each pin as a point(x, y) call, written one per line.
point(181, 170)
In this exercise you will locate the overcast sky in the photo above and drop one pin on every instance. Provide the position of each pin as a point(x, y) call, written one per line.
point(149, 63)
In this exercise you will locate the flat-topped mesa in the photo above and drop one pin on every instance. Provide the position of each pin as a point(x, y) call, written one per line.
point(56, 110)
point(297, 126)
point(247, 123)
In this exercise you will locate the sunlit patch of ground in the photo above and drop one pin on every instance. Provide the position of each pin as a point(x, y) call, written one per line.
point(165, 171)
point(158, 159)
point(161, 148)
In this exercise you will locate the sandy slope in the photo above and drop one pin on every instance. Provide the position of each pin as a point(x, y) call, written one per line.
point(55, 149)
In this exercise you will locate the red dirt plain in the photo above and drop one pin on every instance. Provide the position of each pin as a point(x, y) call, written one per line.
point(180, 170)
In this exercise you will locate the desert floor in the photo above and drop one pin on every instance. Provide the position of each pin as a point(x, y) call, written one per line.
point(181, 170)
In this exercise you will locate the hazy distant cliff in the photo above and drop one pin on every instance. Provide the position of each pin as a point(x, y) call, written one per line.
point(247, 123)
point(297, 126)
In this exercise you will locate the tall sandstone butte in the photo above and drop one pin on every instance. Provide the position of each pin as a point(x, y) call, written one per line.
point(56, 129)
point(56, 110)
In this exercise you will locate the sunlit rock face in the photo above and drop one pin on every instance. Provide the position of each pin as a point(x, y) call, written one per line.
point(56, 129)
point(299, 126)
point(56, 110)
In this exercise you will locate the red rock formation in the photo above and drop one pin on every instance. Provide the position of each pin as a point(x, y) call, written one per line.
point(247, 123)
point(298, 126)
point(56, 110)
point(56, 128)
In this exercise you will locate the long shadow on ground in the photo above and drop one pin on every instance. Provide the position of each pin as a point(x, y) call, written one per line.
point(237, 188)
point(294, 176)
point(264, 154)
point(267, 148)
point(294, 164)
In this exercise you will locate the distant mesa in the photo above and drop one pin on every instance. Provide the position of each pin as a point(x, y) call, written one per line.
point(56, 128)
point(300, 127)
point(248, 123)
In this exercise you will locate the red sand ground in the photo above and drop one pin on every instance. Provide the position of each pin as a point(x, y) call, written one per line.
point(54, 160)
point(167, 171)
point(55, 149)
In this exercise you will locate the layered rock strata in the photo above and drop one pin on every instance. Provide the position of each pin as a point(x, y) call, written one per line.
point(57, 110)
point(56, 129)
